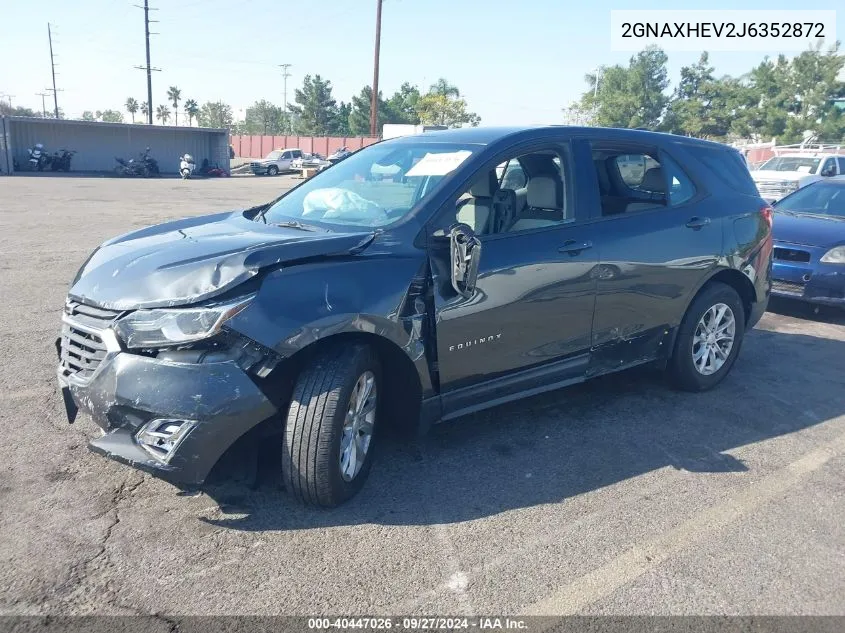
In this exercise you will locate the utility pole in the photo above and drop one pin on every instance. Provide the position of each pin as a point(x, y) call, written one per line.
point(285, 75)
point(53, 70)
point(9, 97)
point(148, 68)
point(43, 107)
point(374, 98)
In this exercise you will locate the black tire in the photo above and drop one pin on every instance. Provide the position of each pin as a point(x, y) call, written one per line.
point(272, 170)
point(681, 368)
point(314, 426)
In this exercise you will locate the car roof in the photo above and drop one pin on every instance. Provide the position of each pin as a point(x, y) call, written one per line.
point(488, 135)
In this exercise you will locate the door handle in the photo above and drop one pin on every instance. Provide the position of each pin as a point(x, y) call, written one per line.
point(573, 247)
point(697, 223)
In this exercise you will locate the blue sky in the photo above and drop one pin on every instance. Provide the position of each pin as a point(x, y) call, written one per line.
point(516, 62)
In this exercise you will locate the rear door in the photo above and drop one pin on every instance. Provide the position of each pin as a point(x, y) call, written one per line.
point(660, 238)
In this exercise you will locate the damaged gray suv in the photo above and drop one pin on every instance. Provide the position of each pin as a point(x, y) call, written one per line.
point(420, 279)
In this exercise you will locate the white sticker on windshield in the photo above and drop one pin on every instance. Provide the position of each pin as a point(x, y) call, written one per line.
point(438, 164)
point(804, 169)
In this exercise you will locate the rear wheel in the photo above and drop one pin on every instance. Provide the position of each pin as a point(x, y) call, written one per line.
point(709, 339)
point(272, 170)
point(328, 441)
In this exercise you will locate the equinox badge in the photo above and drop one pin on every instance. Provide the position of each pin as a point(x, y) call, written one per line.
point(478, 341)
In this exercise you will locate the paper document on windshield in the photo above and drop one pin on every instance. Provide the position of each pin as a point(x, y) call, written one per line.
point(803, 169)
point(438, 164)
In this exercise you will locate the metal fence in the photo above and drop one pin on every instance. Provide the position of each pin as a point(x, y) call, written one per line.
point(260, 146)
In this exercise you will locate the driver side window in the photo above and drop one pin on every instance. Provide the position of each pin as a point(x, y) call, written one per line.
point(522, 193)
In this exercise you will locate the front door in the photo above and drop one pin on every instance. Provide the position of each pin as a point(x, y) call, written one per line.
point(527, 323)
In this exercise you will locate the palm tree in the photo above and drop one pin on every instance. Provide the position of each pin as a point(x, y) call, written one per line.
point(191, 109)
point(174, 94)
point(444, 88)
point(132, 107)
point(163, 114)
point(145, 109)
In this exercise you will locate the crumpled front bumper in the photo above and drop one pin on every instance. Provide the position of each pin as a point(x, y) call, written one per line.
point(128, 390)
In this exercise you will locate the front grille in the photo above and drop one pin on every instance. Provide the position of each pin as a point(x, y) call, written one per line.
point(82, 347)
point(787, 287)
point(791, 254)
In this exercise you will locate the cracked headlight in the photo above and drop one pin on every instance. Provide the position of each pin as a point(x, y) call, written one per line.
point(835, 255)
point(163, 327)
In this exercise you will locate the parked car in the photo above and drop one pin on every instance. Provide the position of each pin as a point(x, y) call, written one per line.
point(275, 162)
point(350, 304)
point(781, 175)
point(809, 244)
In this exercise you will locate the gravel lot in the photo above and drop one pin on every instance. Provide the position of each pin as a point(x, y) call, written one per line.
point(619, 496)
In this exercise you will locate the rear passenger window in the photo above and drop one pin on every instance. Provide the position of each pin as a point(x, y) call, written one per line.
point(631, 181)
point(841, 162)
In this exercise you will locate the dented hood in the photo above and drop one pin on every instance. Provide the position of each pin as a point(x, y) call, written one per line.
point(186, 261)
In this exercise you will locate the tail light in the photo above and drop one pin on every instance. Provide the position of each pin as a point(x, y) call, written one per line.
point(767, 213)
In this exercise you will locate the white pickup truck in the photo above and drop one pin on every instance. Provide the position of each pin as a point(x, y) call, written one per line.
point(277, 161)
point(787, 172)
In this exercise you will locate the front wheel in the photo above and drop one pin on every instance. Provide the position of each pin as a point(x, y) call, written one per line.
point(272, 170)
point(709, 339)
point(185, 174)
point(328, 441)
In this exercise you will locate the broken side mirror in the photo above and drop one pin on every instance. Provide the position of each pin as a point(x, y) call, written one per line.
point(465, 249)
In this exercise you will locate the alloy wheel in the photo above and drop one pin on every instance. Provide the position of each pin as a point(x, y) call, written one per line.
point(713, 339)
point(358, 426)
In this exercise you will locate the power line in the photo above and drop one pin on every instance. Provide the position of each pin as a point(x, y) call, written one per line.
point(53, 71)
point(9, 97)
point(285, 75)
point(148, 68)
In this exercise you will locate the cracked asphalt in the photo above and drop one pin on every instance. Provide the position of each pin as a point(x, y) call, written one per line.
point(619, 496)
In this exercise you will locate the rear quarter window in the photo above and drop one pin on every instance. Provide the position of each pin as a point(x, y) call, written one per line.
point(728, 165)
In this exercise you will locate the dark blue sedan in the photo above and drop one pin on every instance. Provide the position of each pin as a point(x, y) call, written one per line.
point(809, 244)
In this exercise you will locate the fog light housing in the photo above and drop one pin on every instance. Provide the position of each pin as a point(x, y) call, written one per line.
point(161, 437)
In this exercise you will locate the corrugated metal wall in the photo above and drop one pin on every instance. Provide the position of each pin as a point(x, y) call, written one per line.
point(97, 144)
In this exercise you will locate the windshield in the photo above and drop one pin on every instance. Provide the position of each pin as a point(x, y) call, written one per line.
point(792, 163)
point(373, 187)
point(821, 198)
point(274, 155)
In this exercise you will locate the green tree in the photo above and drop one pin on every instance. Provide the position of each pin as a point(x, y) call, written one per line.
point(315, 109)
point(131, 107)
point(359, 112)
point(145, 110)
point(341, 127)
point(402, 106)
point(175, 95)
point(110, 116)
point(632, 96)
point(263, 117)
point(215, 114)
point(163, 114)
point(443, 105)
point(191, 109)
point(88, 116)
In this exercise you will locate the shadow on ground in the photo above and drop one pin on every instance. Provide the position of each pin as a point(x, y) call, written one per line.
point(552, 447)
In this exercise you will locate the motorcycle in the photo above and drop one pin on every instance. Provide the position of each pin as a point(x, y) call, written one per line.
point(146, 166)
point(60, 160)
point(186, 166)
point(38, 158)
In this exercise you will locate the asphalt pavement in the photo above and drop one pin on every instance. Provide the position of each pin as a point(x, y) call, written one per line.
point(620, 496)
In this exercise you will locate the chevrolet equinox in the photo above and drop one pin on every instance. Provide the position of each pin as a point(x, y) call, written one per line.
point(420, 279)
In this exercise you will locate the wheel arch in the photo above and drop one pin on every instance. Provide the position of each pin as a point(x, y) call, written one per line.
point(740, 282)
point(400, 378)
